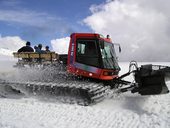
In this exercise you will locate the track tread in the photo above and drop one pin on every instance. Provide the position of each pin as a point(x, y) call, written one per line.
point(89, 93)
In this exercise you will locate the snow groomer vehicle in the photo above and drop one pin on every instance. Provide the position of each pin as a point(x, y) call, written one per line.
point(89, 73)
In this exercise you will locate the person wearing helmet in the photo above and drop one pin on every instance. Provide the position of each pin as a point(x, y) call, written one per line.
point(35, 48)
point(26, 48)
point(39, 49)
point(47, 49)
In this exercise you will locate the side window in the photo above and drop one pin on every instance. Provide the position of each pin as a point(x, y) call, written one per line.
point(81, 48)
point(87, 52)
point(86, 48)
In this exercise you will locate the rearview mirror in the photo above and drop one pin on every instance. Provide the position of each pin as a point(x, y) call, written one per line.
point(119, 47)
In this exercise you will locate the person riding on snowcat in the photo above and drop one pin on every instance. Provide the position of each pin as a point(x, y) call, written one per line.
point(94, 70)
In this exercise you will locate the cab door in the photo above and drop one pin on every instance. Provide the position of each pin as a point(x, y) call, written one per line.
point(87, 52)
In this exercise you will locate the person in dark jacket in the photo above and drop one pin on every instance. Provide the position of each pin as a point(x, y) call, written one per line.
point(26, 48)
point(35, 48)
point(47, 49)
point(39, 49)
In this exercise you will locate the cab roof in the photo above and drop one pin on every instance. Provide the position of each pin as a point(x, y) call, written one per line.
point(90, 35)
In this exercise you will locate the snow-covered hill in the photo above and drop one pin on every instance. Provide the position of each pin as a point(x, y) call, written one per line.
point(121, 111)
point(8, 45)
point(6, 54)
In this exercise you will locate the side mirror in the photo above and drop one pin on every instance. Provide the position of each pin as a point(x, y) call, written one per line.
point(119, 47)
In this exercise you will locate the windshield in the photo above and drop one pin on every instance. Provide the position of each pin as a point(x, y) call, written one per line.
point(109, 56)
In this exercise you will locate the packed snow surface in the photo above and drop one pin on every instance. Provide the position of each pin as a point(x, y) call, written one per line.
point(121, 111)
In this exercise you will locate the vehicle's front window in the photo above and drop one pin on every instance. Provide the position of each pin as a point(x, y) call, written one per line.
point(108, 56)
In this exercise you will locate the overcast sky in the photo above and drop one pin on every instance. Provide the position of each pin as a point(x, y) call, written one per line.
point(142, 27)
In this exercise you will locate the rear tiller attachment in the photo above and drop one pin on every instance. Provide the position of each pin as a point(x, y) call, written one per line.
point(149, 79)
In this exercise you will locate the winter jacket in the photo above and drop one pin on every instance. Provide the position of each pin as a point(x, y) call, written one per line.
point(26, 49)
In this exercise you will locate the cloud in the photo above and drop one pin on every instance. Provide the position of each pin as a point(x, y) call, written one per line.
point(8, 45)
point(60, 45)
point(140, 26)
point(11, 42)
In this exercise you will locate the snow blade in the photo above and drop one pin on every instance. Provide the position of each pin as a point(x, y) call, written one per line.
point(151, 79)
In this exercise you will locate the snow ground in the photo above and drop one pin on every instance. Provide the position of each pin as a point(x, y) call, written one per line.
point(121, 111)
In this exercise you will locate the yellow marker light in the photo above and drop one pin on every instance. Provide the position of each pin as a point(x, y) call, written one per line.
point(105, 73)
